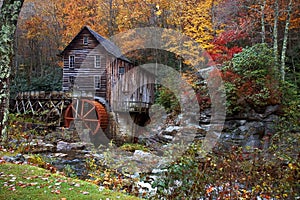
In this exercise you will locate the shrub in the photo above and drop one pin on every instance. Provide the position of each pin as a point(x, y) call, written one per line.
point(168, 100)
point(269, 174)
point(251, 80)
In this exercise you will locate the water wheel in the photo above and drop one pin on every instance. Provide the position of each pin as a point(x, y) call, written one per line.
point(91, 113)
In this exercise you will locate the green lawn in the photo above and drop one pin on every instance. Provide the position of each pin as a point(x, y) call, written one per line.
point(30, 182)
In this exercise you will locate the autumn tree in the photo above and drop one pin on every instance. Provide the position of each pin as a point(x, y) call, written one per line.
point(271, 21)
point(10, 10)
point(38, 40)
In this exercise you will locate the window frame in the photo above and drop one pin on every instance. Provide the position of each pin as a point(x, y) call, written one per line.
point(71, 61)
point(97, 82)
point(85, 40)
point(121, 70)
point(97, 63)
point(72, 79)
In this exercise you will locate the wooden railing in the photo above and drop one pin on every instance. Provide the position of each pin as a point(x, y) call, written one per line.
point(131, 106)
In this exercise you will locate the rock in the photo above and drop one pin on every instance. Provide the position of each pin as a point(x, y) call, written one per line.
point(19, 157)
point(252, 143)
point(271, 110)
point(77, 146)
point(270, 124)
point(7, 158)
point(272, 118)
point(158, 171)
point(36, 142)
point(60, 155)
point(254, 116)
point(134, 175)
point(242, 122)
point(12, 159)
point(49, 147)
point(146, 188)
point(65, 146)
point(164, 138)
point(98, 156)
point(142, 155)
point(178, 119)
point(54, 136)
point(171, 130)
point(168, 138)
point(253, 128)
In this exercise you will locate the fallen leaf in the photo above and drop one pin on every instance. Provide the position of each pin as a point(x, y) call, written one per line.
point(33, 184)
point(56, 191)
point(209, 190)
point(12, 188)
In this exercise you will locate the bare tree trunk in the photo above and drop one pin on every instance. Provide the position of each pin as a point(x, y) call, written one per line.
point(275, 32)
point(111, 18)
point(10, 10)
point(285, 38)
point(263, 28)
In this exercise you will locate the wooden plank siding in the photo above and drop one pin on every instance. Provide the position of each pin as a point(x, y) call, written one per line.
point(112, 90)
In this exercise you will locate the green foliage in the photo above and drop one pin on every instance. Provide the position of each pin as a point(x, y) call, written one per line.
point(37, 160)
point(290, 121)
point(272, 174)
point(50, 81)
point(254, 62)
point(20, 131)
point(293, 66)
point(30, 182)
point(133, 146)
point(251, 80)
point(22, 118)
point(8, 20)
point(101, 173)
point(69, 171)
point(168, 99)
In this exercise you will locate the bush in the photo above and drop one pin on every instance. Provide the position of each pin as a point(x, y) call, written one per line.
point(168, 100)
point(269, 174)
point(50, 81)
point(251, 80)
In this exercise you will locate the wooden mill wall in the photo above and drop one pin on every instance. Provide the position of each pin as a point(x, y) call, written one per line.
point(84, 69)
point(81, 77)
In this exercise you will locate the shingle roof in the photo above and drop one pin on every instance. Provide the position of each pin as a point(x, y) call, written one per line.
point(107, 44)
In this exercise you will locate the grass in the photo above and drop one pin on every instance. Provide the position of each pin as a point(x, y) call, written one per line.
point(133, 146)
point(30, 182)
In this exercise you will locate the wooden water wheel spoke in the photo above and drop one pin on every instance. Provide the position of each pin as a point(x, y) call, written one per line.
point(92, 114)
point(93, 127)
point(90, 120)
point(88, 112)
point(73, 109)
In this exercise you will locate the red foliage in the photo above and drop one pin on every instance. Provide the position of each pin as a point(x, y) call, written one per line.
point(230, 76)
point(204, 101)
point(224, 49)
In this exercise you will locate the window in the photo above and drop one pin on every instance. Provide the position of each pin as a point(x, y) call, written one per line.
point(71, 79)
point(85, 40)
point(121, 70)
point(97, 82)
point(71, 62)
point(97, 61)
